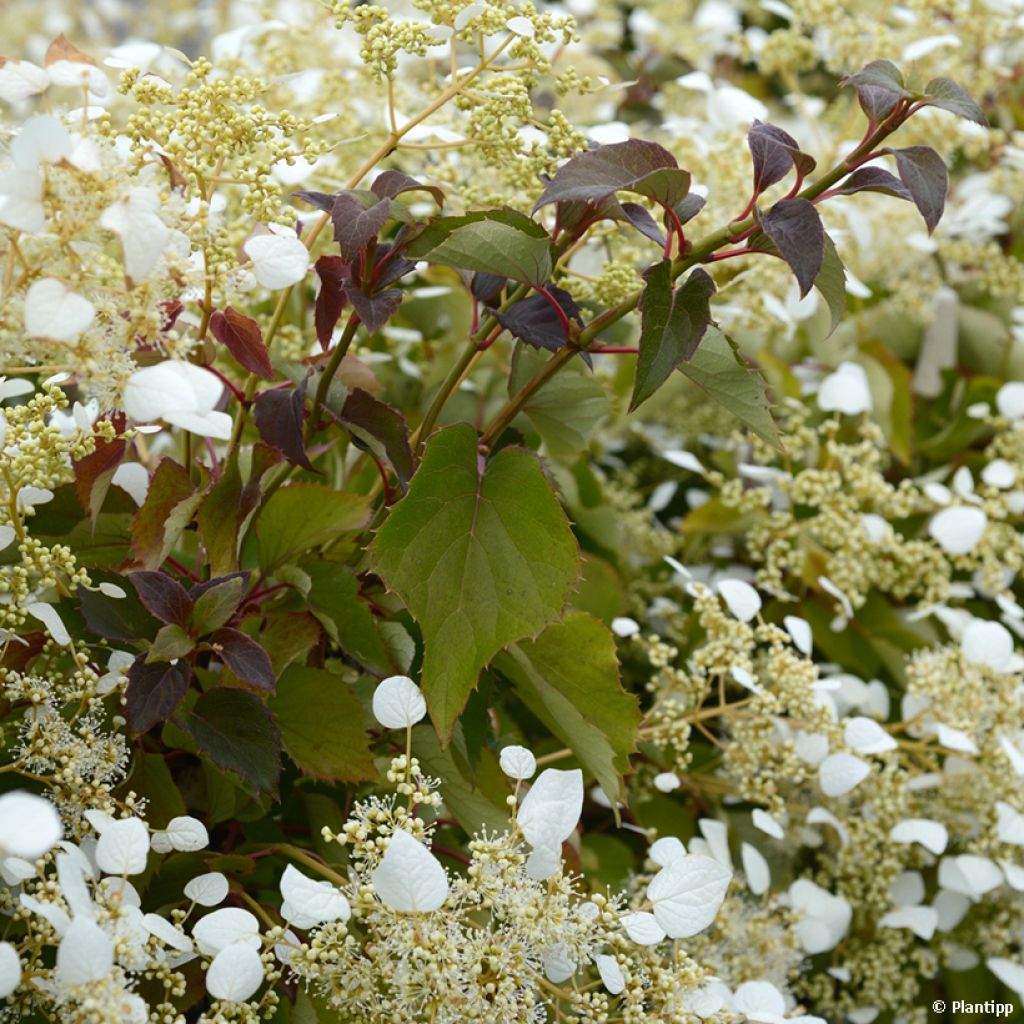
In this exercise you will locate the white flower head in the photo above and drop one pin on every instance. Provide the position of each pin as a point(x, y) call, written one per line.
point(55, 312)
point(278, 261)
point(846, 390)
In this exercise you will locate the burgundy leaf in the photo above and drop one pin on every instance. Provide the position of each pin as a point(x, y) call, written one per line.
point(280, 420)
point(924, 173)
point(600, 172)
point(94, 473)
point(153, 692)
point(534, 321)
point(242, 337)
point(333, 274)
point(245, 658)
point(389, 269)
point(774, 152)
point(375, 310)
point(874, 179)
point(380, 428)
point(389, 184)
point(797, 232)
point(487, 288)
point(641, 219)
point(354, 226)
point(321, 200)
point(163, 596)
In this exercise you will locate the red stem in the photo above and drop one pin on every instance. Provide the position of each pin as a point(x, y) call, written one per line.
point(553, 303)
point(231, 387)
point(615, 350)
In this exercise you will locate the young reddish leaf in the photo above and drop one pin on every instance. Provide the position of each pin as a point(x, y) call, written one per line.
point(165, 597)
point(874, 179)
point(242, 337)
point(622, 166)
point(235, 730)
point(924, 173)
point(380, 428)
point(153, 692)
point(389, 184)
point(354, 226)
point(671, 326)
point(331, 299)
point(245, 658)
point(876, 102)
point(642, 220)
point(167, 510)
point(321, 200)
point(375, 310)
point(878, 74)
point(945, 93)
point(280, 417)
point(535, 321)
point(388, 268)
point(795, 227)
point(774, 152)
point(94, 473)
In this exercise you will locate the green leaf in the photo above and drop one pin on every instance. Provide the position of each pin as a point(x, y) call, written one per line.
point(482, 555)
point(501, 242)
point(474, 805)
point(671, 326)
point(716, 369)
point(216, 605)
point(164, 514)
point(304, 516)
point(236, 731)
point(831, 283)
point(569, 678)
point(171, 642)
point(945, 93)
point(334, 599)
point(322, 725)
point(567, 409)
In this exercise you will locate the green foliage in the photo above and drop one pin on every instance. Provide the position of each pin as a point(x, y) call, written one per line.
point(481, 554)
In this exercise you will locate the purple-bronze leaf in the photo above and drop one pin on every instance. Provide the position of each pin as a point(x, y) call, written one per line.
point(873, 179)
point(354, 226)
point(331, 299)
point(154, 691)
point(245, 658)
point(242, 337)
point(535, 321)
point(774, 152)
point(280, 419)
point(375, 310)
point(924, 173)
point(163, 596)
point(795, 228)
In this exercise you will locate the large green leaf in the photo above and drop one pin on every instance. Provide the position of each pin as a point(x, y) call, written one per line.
point(321, 723)
point(569, 678)
point(482, 555)
point(303, 516)
point(671, 326)
point(565, 411)
point(716, 369)
point(501, 242)
point(474, 806)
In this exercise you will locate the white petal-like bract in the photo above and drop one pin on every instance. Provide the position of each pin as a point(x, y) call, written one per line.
point(398, 703)
point(181, 393)
point(740, 598)
point(29, 825)
point(932, 835)
point(278, 261)
point(642, 928)
point(311, 902)
point(839, 773)
point(517, 762)
point(207, 890)
point(866, 736)
point(54, 311)
point(410, 878)
point(550, 810)
point(846, 390)
point(958, 529)
point(220, 929)
point(85, 953)
point(10, 967)
point(611, 973)
point(687, 894)
point(235, 973)
point(755, 867)
point(987, 643)
point(123, 847)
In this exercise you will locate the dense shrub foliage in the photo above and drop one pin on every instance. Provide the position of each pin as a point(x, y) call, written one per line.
point(511, 513)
